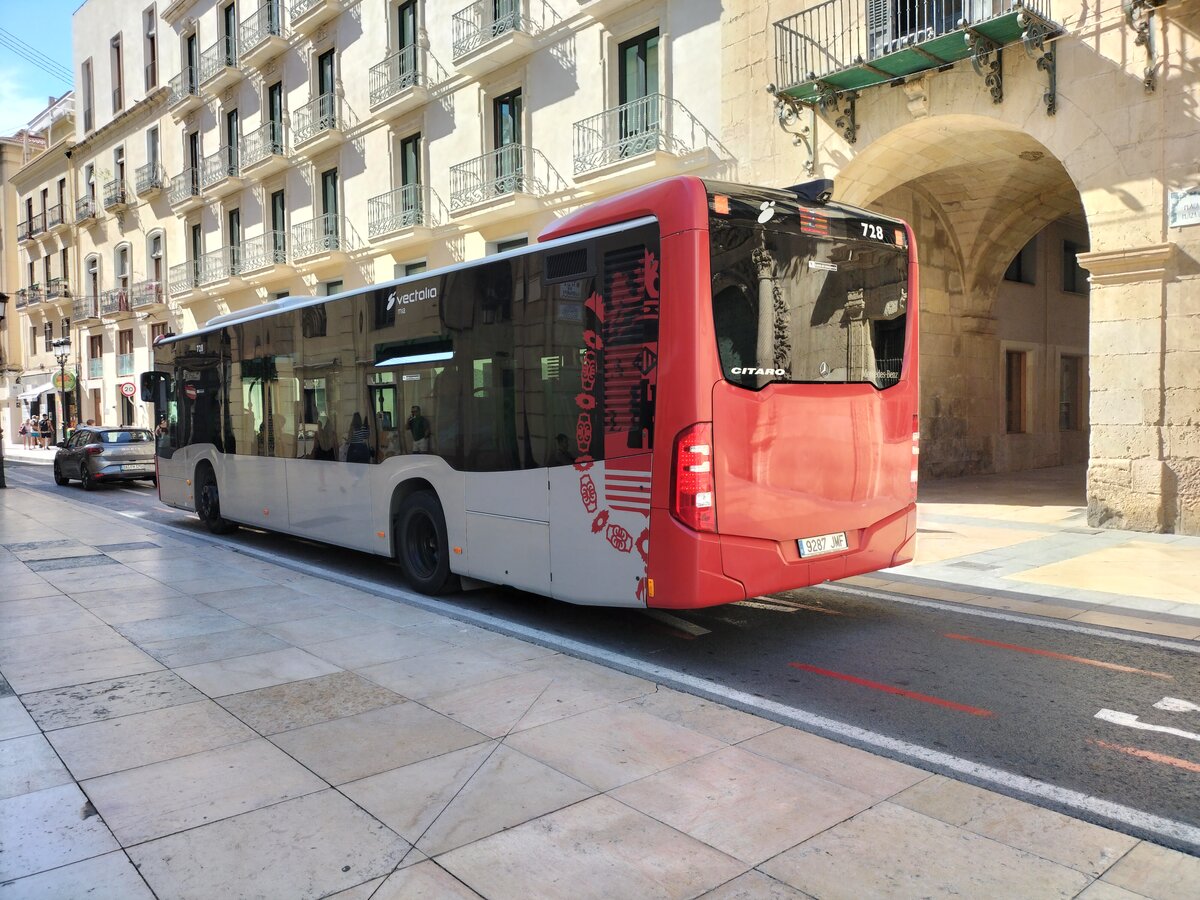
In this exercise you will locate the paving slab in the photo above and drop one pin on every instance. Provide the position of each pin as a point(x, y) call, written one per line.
point(29, 764)
point(50, 828)
point(102, 877)
point(246, 673)
point(1156, 872)
point(424, 881)
point(15, 720)
point(99, 700)
point(299, 704)
point(202, 648)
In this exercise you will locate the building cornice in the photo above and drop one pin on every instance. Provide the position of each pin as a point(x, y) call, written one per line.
point(1130, 265)
point(49, 161)
point(174, 12)
point(125, 119)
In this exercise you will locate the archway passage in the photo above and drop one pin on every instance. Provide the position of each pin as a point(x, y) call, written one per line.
point(1004, 326)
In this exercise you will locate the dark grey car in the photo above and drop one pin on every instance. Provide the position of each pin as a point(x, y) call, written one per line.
point(98, 455)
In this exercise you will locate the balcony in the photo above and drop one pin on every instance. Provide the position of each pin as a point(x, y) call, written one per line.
point(24, 233)
point(261, 36)
point(145, 294)
point(264, 259)
point(219, 65)
point(29, 296)
point(184, 191)
point(37, 224)
point(150, 180)
point(96, 367)
point(85, 309)
point(116, 196)
point(309, 15)
point(490, 33)
point(58, 289)
point(402, 81)
point(85, 210)
point(319, 125)
point(263, 151)
point(406, 212)
point(114, 304)
point(219, 172)
point(323, 243)
point(654, 131)
point(514, 175)
point(220, 267)
point(847, 45)
point(183, 93)
point(183, 280)
point(56, 218)
point(124, 364)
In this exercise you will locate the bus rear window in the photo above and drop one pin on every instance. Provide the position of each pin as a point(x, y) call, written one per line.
point(795, 300)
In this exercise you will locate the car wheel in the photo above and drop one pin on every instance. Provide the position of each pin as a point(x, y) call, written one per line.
point(59, 478)
point(422, 546)
point(208, 506)
point(89, 482)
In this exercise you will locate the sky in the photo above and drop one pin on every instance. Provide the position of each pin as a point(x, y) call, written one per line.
point(45, 26)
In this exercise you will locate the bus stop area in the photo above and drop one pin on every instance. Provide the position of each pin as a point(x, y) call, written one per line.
point(178, 719)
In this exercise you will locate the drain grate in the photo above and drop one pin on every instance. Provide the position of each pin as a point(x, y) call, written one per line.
point(977, 567)
point(131, 545)
point(70, 562)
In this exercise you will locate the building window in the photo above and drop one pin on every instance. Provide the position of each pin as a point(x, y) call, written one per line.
point(1075, 280)
point(89, 181)
point(47, 336)
point(157, 330)
point(1023, 268)
point(33, 339)
point(1016, 363)
point(152, 147)
point(155, 255)
point(64, 268)
point(85, 79)
point(1070, 393)
point(150, 32)
point(511, 244)
point(118, 84)
point(64, 328)
point(95, 346)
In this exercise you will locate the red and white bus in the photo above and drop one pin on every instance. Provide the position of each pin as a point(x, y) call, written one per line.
point(690, 394)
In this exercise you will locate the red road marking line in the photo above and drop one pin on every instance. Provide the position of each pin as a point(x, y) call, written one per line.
point(1063, 656)
point(900, 692)
point(1150, 755)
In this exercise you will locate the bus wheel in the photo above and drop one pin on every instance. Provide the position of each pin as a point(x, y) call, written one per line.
point(208, 506)
point(422, 546)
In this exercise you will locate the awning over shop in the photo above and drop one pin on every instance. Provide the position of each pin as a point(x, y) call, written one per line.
point(34, 390)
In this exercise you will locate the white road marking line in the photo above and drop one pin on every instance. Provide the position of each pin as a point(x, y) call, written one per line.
point(675, 622)
point(1129, 720)
point(979, 773)
point(1052, 624)
point(1171, 704)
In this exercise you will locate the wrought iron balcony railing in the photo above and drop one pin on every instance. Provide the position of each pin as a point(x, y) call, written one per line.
point(261, 143)
point(413, 66)
point(114, 301)
point(183, 277)
point(651, 123)
point(221, 55)
point(218, 166)
point(845, 45)
point(57, 288)
point(96, 367)
point(264, 22)
point(182, 86)
point(85, 308)
point(124, 363)
point(409, 206)
point(264, 251)
point(329, 233)
point(37, 224)
point(54, 216)
point(149, 178)
point(115, 194)
point(220, 264)
point(513, 169)
point(29, 296)
point(24, 232)
point(85, 209)
point(184, 185)
point(489, 20)
point(146, 293)
point(325, 113)
point(300, 7)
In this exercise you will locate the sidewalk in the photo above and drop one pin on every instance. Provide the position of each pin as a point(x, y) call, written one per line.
point(183, 719)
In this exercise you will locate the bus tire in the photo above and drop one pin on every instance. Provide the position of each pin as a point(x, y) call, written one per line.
point(208, 505)
point(422, 547)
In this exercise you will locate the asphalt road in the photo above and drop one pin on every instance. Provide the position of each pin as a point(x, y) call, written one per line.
point(1018, 695)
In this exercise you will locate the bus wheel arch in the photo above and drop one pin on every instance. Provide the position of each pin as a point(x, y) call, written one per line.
point(208, 499)
point(420, 542)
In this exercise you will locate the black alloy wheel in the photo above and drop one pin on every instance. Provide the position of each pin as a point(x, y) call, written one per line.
point(59, 478)
point(208, 506)
point(422, 546)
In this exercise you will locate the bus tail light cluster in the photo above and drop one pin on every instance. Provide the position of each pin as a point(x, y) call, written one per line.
point(693, 495)
point(916, 454)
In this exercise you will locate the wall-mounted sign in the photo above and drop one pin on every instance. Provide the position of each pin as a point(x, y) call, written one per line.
point(1183, 208)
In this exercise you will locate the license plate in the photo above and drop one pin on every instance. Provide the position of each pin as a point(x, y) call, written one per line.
point(136, 468)
point(822, 543)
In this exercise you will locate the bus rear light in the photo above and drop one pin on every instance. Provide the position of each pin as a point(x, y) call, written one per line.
point(692, 488)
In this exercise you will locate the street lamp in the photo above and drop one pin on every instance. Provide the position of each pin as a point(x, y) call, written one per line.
point(62, 352)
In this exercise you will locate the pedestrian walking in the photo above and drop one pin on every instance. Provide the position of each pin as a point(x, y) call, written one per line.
point(26, 432)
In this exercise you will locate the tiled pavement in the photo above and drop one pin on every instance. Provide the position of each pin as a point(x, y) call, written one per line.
point(178, 720)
